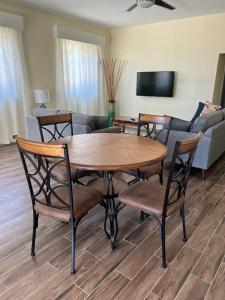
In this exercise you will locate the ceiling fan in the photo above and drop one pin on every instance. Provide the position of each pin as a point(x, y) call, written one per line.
point(149, 3)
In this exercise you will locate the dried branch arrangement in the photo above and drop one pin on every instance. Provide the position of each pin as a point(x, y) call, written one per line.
point(113, 69)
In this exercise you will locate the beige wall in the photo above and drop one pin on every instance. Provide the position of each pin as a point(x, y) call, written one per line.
point(39, 43)
point(191, 47)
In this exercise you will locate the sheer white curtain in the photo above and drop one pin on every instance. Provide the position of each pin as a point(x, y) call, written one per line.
point(14, 100)
point(79, 77)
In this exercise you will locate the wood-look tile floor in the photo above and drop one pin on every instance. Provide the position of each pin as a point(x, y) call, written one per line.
point(196, 269)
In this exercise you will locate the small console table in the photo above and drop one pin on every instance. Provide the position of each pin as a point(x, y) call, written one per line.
point(125, 121)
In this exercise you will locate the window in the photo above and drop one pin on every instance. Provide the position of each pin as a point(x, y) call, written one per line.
point(14, 101)
point(80, 77)
point(7, 64)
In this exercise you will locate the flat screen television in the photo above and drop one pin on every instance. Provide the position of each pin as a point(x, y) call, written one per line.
point(157, 84)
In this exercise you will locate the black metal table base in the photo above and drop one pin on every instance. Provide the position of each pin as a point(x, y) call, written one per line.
point(112, 209)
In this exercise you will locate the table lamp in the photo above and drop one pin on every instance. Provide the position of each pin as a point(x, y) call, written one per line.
point(41, 97)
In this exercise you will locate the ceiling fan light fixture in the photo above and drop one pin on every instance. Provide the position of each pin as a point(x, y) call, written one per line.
point(145, 3)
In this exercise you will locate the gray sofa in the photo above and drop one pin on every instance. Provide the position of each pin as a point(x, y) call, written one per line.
point(211, 146)
point(81, 123)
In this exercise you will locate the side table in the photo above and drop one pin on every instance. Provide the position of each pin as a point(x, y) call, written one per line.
point(125, 121)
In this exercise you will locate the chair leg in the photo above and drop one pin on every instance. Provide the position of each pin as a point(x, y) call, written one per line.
point(106, 219)
point(182, 214)
point(163, 240)
point(73, 245)
point(143, 217)
point(112, 222)
point(161, 177)
point(35, 226)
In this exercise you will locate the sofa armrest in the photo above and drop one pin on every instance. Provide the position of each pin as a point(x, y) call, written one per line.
point(113, 129)
point(216, 130)
point(33, 129)
point(211, 146)
point(178, 135)
point(174, 136)
point(81, 129)
point(180, 125)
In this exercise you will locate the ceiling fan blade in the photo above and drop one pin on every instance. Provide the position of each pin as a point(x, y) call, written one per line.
point(164, 4)
point(132, 7)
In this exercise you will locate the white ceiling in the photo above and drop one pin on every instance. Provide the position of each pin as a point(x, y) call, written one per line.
point(112, 13)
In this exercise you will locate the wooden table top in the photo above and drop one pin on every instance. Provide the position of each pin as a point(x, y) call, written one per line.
point(126, 120)
point(113, 151)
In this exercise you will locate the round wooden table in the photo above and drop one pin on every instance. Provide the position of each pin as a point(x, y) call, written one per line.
point(113, 151)
point(110, 152)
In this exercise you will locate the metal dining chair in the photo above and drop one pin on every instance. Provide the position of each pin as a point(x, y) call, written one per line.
point(51, 196)
point(154, 126)
point(55, 127)
point(159, 202)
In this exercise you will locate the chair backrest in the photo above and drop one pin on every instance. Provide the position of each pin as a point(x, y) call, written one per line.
point(183, 156)
point(39, 161)
point(54, 126)
point(154, 125)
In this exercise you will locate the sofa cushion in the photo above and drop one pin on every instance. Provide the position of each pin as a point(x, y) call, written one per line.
point(81, 129)
point(180, 125)
point(214, 118)
point(83, 119)
point(223, 111)
point(210, 107)
point(203, 123)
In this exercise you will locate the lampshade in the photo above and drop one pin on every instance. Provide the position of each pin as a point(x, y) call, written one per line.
point(41, 96)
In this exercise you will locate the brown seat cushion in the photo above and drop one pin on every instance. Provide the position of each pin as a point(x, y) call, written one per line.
point(85, 198)
point(101, 184)
point(149, 197)
point(60, 171)
point(148, 171)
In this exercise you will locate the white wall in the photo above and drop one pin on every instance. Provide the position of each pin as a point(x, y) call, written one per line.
point(190, 47)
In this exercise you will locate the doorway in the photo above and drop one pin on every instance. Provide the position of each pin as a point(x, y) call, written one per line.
point(219, 88)
point(222, 101)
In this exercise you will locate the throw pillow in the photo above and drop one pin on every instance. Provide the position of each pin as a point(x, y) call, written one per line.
point(210, 107)
point(200, 108)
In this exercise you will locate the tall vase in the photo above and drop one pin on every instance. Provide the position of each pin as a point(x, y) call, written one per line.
point(111, 112)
